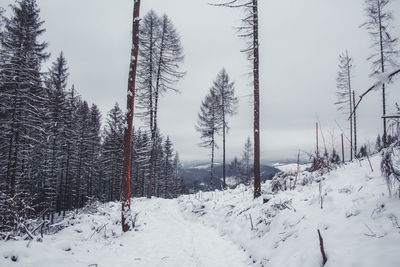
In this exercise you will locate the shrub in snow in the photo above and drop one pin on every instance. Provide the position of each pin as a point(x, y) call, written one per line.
point(390, 167)
point(280, 182)
point(15, 216)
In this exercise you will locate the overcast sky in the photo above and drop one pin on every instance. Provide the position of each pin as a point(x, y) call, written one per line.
point(300, 44)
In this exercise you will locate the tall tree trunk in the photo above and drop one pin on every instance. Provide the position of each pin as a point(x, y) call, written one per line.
point(257, 185)
point(350, 106)
point(15, 165)
point(154, 114)
point(342, 147)
point(384, 137)
point(355, 125)
point(68, 193)
point(126, 183)
point(10, 150)
point(212, 165)
point(223, 146)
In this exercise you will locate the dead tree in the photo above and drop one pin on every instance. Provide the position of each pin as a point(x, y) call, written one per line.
point(355, 125)
point(126, 182)
point(343, 83)
point(377, 25)
point(384, 79)
point(249, 31)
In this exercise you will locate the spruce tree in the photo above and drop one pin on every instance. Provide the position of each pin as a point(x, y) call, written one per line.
point(22, 101)
point(209, 125)
point(227, 105)
point(56, 83)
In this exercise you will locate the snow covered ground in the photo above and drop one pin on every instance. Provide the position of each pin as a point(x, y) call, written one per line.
point(291, 167)
point(359, 223)
point(162, 238)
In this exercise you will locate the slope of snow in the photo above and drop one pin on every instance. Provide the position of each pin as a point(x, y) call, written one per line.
point(162, 238)
point(359, 223)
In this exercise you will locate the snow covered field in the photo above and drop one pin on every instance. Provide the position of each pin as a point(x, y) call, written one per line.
point(359, 223)
point(291, 167)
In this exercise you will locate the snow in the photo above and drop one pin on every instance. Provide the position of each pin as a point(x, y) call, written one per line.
point(291, 167)
point(359, 223)
point(204, 166)
point(162, 238)
point(285, 229)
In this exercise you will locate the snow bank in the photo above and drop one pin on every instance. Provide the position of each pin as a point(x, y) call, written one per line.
point(357, 221)
point(291, 167)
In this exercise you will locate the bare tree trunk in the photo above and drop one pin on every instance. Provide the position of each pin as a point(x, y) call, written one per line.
point(126, 182)
point(355, 125)
point(384, 137)
point(212, 166)
point(15, 165)
point(152, 130)
point(316, 136)
point(223, 147)
point(342, 148)
point(350, 106)
point(257, 185)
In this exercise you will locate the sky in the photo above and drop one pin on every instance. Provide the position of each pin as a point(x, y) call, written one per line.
point(300, 43)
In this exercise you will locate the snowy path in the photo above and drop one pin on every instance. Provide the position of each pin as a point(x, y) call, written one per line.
point(177, 242)
point(164, 238)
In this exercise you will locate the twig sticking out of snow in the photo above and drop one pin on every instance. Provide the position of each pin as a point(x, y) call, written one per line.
point(372, 233)
point(98, 230)
point(321, 246)
point(370, 165)
point(395, 222)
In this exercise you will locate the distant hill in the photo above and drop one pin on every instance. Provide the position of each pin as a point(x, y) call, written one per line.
point(197, 176)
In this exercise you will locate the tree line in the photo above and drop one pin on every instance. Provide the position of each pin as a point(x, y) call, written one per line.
point(55, 154)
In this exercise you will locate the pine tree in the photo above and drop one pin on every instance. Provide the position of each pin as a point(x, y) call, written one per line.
point(344, 94)
point(384, 44)
point(56, 83)
point(22, 101)
point(209, 124)
point(234, 170)
point(378, 144)
point(70, 137)
point(94, 149)
point(179, 183)
point(227, 105)
point(168, 182)
point(159, 62)
point(83, 159)
point(246, 161)
point(335, 159)
point(113, 151)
